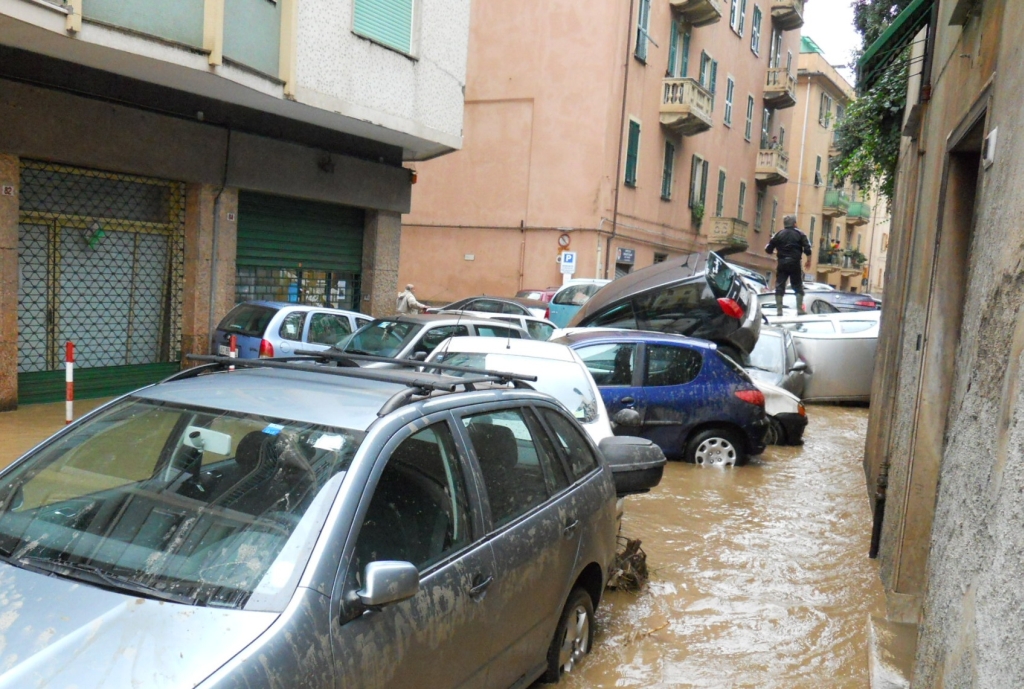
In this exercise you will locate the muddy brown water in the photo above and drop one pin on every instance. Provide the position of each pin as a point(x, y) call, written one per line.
point(760, 576)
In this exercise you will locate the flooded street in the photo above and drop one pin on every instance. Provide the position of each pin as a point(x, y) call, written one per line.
point(759, 574)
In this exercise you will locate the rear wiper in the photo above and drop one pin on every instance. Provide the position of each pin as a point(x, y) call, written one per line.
point(100, 577)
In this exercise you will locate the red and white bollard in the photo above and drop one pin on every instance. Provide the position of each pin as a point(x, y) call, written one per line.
point(69, 382)
point(232, 349)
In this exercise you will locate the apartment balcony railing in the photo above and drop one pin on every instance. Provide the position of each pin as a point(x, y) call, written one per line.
point(779, 89)
point(772, 167)
point(728, 235)
point(859, 213)
point(788, 14)
point(836, 203)
point(833, 261)
point(698, 12)
point(685, 106)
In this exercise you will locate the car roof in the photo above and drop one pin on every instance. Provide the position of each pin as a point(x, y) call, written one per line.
point(521, 301)
point(672, 271)
point(871, 315)
point(601, 335)
point(496, 345)
point(445, 319)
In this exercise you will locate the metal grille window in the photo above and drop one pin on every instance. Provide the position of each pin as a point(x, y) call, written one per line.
point(297, 286)
point(101, 262)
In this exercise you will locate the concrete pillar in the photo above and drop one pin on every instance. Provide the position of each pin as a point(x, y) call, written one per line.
point(209, 266)
point(382, 239)
point(9, 185)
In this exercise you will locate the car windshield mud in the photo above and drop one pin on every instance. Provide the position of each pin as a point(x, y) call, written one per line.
point(382, 338)
point(768, 354)
point(177, 503)
point(565, 381)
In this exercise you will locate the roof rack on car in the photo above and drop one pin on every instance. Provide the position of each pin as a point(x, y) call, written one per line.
point(342, 357)
point(417, 384)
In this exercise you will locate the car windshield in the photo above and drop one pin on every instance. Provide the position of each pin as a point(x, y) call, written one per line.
point(768, 354)
point(247, 319)
point(177, 503)
point(576, 295)
point(382, 338)
point(567, 382)
point(720, 276)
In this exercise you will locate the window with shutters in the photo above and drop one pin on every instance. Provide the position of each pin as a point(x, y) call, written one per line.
point(741, 206)
point(678, 51)
point(673, 50)
point(775, 214)
point(684, 58)
point(720, 199)
point(743, 17)
point(666, 175)
point(713, 86)
point(775, 56)
point(782, 137)
point(750, 118)
point(734, 13)
point(388, 22)
point(632, 153)
point(705, 69)
point(810, 237)
point(642, 30)
point(825, 110)
point(755, 31)
point(759, 210)
point(817, 172)
point(766, 127)
point(730, 87)
point(698, 181)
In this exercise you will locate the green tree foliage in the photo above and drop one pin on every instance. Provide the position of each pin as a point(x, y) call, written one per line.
point(868, 137)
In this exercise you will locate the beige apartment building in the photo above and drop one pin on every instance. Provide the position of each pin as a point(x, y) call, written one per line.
point(624, 132)
point(845, 224)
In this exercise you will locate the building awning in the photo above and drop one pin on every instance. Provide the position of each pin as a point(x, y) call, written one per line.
point(892, 42)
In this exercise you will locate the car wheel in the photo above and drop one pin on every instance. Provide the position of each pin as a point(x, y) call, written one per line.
point(715, 447)
point(573, 636)
point(776, 434)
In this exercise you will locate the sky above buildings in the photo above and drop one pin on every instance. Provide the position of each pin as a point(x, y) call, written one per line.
point(830, 24)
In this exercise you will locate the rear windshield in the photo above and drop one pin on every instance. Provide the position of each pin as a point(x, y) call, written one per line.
point(720, 276)
point(577, 295)
point(382, 338)
point(247, 319)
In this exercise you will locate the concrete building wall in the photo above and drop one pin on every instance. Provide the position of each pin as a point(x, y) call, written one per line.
point(952, 349)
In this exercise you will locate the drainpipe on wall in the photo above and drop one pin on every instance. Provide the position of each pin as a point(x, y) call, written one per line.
point(803, 144)
point(216, 239)
point(622, 125)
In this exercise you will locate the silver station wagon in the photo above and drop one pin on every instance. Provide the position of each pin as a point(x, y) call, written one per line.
point(311, 524)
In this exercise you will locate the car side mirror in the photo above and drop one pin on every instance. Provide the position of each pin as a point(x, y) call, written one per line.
point(800, 365)
point(637, 464)
point(419, 356)
point(388, 581)
point(626, 417)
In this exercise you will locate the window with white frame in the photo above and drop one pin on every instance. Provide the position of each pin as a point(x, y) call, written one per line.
point(643, 24)
point(388, 22)
point(741, 206)
point(750, 118)
point(730, 88)
point(668, 171)
point(766, 127)
point(698, 181)
point(775, 56)
point(743, 17)
point(825, 110)
point(755, 31)
point(734, 13)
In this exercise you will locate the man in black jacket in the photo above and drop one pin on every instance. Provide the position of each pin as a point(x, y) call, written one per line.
point(792, 244)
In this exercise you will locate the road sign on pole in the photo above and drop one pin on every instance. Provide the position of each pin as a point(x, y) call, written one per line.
point(568, 262)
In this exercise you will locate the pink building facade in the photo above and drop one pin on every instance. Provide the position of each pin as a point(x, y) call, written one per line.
point(625, 132)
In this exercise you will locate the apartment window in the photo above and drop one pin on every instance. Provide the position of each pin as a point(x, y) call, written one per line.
point(660, 258)
point(388, 22)
point(734, 13)
point(743, 17)
point(826, 229)
point(698, 181)
point(825, 110)
point(766, 127)
point(817, 172)
point(758, 210)
point(713, 86)
point(642, 26)
point(775, 214)
point(720, 199)
point(705, 69)
point(750, 118)
point(755, 31)
point(740, 209)
point(811, 235)
point(632, 153)
point(730, 88)
point(789, 62)
point(673, 50)
point(775, 56)
point(678, 52)
point(666, 175)
point(684, 67)
point(840, 113)
point(782, 137)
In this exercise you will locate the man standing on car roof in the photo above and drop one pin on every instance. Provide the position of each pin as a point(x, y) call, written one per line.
point(791, 244)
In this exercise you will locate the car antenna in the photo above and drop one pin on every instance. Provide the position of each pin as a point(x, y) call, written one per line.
point(448, 341)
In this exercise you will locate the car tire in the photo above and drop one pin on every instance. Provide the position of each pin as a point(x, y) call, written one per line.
point(574, 635)
point(715, 447)
point(776, 434)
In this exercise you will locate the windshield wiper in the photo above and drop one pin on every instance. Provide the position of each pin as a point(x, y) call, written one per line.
point(99, 577)
point(766, 370)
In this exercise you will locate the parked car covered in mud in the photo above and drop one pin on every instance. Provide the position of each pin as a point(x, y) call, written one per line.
point(775, 361)
point(310, 520)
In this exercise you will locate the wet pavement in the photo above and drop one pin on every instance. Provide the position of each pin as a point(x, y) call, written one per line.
point(760, 576)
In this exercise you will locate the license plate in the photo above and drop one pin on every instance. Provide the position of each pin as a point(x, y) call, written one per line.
point(223, 350)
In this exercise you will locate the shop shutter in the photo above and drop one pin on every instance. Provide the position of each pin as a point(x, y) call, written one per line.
point(386, 21)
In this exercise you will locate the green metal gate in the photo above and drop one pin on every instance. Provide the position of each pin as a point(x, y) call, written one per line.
point(101, 260)
point(298, 251)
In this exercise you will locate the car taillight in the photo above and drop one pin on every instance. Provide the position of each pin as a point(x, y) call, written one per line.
point(801, 409)
point(266, 350)
point(865, 302)
point(547, 314)
point(755, 397)
point(730, 308)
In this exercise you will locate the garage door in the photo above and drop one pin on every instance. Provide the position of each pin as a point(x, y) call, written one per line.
point(298, 251)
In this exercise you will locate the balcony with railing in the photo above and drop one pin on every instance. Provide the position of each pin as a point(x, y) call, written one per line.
point(728, 235)
point(698, 12)
point(836, 203)
point(858, 214)
point(779, 88)
point(848, 262)
point(772, 166)
point(685, 106)
point(788, 14)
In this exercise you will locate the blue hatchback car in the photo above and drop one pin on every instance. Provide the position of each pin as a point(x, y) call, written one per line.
point(695, 403)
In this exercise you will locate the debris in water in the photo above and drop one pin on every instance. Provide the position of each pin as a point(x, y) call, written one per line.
point(630, 570)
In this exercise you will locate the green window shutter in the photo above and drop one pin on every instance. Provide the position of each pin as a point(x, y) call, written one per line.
point(720, 199)
point(703, 77)
point(386, 21)
point(673, 49)
point(705, 168)
point(741, 210)
point(632, 153)
point(755, 31)
point(642, 26)
point(713, 82)
point(666, 178)
point(694, 171)
point(686, 54)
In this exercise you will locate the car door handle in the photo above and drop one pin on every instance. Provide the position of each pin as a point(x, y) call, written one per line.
point(628, 401)
point(570, 528)
point(478, 589)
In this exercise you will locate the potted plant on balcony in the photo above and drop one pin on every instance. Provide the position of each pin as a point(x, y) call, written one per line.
point(856, 257)
point(697, 211)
